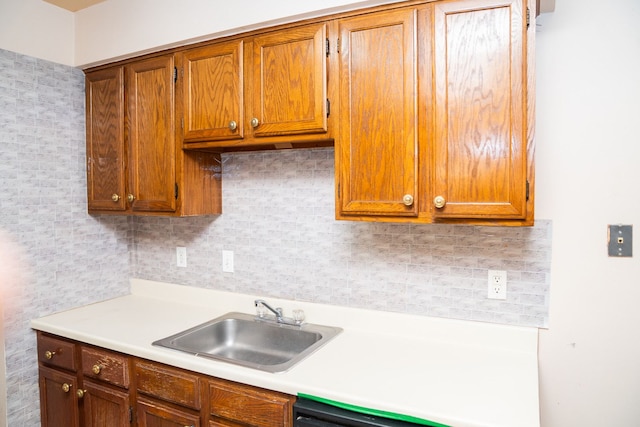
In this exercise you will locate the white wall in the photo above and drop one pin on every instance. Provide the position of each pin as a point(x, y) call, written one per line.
point(37, 28)
point(588, 174)
point(119, 28)
point(587, 160)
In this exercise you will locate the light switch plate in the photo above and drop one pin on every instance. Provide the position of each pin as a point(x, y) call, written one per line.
point(181, 256)
point(227, 261)
point(620, 239)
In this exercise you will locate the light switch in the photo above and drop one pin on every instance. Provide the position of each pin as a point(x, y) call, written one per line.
point(620, 240)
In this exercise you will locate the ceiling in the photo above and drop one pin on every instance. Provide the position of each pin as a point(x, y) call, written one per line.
point(74, 5)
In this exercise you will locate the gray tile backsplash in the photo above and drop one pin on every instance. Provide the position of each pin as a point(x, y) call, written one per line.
point(278, 220)
point(65, 257)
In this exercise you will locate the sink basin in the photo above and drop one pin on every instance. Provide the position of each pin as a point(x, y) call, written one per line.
point(246, 340)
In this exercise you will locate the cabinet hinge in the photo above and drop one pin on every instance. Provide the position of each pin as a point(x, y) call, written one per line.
point(338, 45)
point(527, 191)
point(338, 190)
point(328, 107)
point(528, 17)
point(327, 45)
point(175, 74)
point(176, 190)
point(182, 123)
point(130, 414)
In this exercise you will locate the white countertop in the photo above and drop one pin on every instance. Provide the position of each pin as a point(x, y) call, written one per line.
point(457, 373)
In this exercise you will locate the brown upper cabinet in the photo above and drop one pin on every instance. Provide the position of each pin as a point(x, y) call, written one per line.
point(106, 181)
point(430, 105)
point(377, 148)
point(435, 114)
point(133, 162)
point(480, 140)
point(269, 89)
point(150, 134)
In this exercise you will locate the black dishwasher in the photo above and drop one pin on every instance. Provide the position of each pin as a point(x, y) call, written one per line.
point(309, 413)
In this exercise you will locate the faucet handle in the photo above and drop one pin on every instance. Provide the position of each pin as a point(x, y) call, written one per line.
point(298, 316)
point(261, 310)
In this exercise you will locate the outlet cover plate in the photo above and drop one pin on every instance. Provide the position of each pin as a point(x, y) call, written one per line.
point(497, 284)
point(620, 240)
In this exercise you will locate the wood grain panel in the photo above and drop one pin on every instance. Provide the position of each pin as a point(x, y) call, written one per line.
point(289, 81)
point(104, 406)
point(212, 90)
point(150, 134)
point(378, 147)
point(57, 407)
point(105, 139)
point(62, 352)
point(112, 367)
point(154, 414)
point(250, 405)
point(480, 148)
point(172, 385)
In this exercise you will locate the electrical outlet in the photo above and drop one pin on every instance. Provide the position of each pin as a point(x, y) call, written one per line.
point(227, 261)
point(181, 256)
point(497, 284)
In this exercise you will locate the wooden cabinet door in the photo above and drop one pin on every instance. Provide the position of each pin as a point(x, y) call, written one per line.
point(150, 134)
point(212, 91)
point(105, 140)
point(480, 107)
point(377, 149)
point(58, 401)
point(155, 414)
point(105, 406)
point(288, 83)
point(248, 406)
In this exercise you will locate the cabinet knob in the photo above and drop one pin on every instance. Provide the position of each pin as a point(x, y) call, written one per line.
point(80, 393)
point(115, 197)
point(233, 125)
point(66, 387)
point(96, 369)
point(49, 354)
point(255, 122)
point(130, 198)
point(407, 199)
point(439, 202)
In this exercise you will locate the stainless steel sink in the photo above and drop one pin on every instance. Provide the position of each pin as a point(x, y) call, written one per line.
point(246, 340)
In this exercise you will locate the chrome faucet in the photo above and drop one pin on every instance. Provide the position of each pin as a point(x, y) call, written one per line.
point(276, 311)
point(297, 319)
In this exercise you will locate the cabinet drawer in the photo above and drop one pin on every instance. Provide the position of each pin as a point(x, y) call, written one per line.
point(250, 405)
point(54, 351)
point(173, 385)
point(106, 366)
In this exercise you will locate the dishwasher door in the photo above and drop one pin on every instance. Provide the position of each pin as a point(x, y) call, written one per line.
point(313, 422)
point(309, 413)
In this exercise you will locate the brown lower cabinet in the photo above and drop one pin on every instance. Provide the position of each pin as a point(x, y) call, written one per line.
point(86, 386)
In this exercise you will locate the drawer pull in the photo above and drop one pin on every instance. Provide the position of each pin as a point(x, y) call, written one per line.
point(80, 393)
point(49, 354)
point(96, 369)
point(66, 387)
